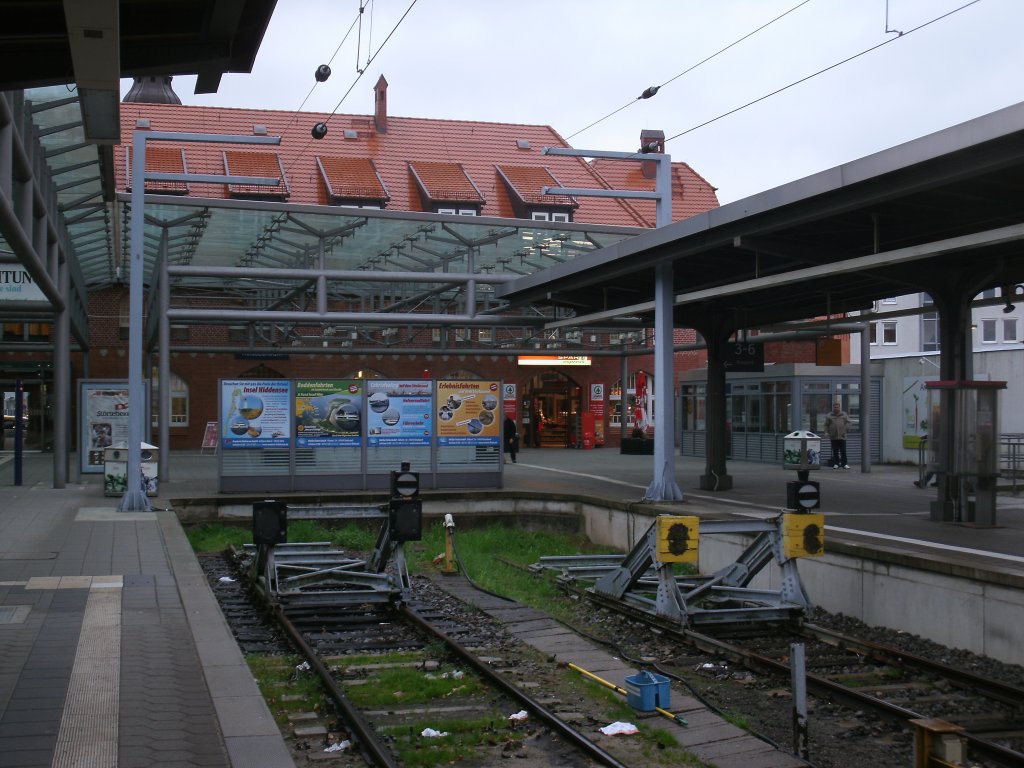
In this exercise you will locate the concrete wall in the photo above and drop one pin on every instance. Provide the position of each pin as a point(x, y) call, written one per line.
point(960, 607)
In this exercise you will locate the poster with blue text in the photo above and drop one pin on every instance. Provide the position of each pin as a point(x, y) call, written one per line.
point(398, 413)
point(255, 414)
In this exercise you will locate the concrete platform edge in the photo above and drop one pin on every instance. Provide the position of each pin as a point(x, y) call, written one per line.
point(224, 668)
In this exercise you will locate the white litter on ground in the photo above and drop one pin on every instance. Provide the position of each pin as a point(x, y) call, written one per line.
point(341, 746)
point(430, 733)
point(226, 580)
point(619, 729)
point(519, 717)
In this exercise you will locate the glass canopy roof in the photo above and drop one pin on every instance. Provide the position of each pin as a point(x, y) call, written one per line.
point(79, 176)
point(256, 236)
point(247, 234)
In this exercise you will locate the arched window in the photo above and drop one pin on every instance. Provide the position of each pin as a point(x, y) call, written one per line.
point(179, 400)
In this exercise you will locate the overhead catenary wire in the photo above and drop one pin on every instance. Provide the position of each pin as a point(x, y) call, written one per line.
point(298, 111)
point(359, 75)
point(651, 91)
point(848, 59)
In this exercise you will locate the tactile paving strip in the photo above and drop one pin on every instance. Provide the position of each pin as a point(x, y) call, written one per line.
point(88, 728)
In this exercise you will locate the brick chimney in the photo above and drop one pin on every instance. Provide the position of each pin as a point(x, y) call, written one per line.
point(380, 108)
point(651, 141)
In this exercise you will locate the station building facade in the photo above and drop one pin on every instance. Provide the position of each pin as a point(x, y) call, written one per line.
point(380, 162)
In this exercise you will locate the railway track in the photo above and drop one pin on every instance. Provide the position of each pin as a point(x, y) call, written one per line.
point(427, 677)
point(862, 675)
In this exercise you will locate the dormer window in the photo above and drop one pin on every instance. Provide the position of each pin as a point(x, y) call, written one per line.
point(161, 159)
point(525, 186)
point(446, 188)
point(352, 181)
point(267, 164)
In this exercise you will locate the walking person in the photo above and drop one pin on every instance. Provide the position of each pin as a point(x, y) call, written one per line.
point(511, 437)
point(837, 424)
point(929, 475)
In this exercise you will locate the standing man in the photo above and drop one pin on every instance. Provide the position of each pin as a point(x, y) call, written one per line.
point(837, 424)
point(511, 436)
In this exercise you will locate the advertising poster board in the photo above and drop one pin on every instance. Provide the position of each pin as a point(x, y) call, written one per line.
point(915, 410)
point(103, 421)
point(398, 413)
point(255, 414)
point(210, 438)
point(468, 413)
point(509, 400)
point(597, 408)
point(328, 413)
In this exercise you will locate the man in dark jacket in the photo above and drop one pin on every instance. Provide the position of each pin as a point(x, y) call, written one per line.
point(511, 437)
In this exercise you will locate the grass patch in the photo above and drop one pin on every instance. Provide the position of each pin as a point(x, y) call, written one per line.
point(277, 676)
point(406, 686)
point(462, 738)
point(740, 721)
point(485, 554)
point(216, 537)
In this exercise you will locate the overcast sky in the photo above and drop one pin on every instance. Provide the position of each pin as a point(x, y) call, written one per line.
point(568, 63)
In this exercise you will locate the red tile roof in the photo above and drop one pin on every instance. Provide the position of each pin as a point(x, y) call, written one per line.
point(477, 147)
point(691, 194)
point(351, 178)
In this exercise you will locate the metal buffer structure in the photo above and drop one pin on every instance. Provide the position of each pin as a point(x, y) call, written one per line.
point(320, 574)
point(647, 577)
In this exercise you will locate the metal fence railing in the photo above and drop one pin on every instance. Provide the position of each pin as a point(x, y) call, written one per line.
point(1011, 458)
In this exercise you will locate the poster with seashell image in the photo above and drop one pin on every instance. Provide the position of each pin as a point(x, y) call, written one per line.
point(255, 413)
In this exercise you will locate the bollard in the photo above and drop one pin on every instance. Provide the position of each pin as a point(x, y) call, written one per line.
point(449, 546)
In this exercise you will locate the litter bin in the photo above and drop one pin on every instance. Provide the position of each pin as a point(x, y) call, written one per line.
point(801, 450)
point(115, 469)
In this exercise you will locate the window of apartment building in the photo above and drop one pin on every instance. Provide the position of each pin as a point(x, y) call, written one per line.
point(888, 332)
point(459, 211)
point(991, 326)
point(929, 326)
point(549, 216)
point(887, 329)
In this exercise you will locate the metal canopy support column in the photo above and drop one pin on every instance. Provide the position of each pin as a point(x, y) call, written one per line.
point(716, 332)
point(865, 398)
point(135, 499)
point(164, 364)
point(61, 376)
point(663, 486)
